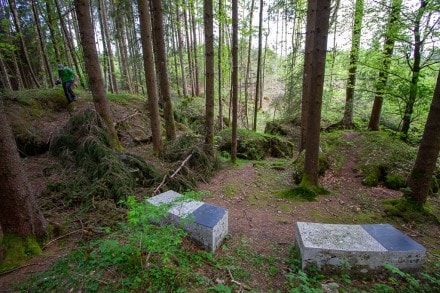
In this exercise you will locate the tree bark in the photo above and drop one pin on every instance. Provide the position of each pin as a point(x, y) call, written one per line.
point(234, 82)
point(209, 74)
point(93, 69)
point(316, 48)
point(196, 59)
point(347, 120)
point(19, 213)
point(248, 65)
point(415, 69)
point(53, 35)
point(180, 48)
point(161, 60)
point(150, 77)
point(258, 81)
point(388, 48)
point(420, 178)
point(219, 60)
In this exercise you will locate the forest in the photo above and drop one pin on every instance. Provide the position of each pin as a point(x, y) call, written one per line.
point(281, 111)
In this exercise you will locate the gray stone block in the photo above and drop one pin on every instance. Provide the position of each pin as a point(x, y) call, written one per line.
point(357, 248)
point(204, 223)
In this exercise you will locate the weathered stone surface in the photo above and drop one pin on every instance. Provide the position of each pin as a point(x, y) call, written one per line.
point(357, 248)
point(206, 224)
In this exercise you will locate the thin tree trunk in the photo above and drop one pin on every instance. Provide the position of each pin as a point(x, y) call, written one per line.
point(47, 65)
point(106, 36)
point(196, 62)
point(234, 82)
point(415, 68)
point(219, 67)
point(6, 82)
point(53, 34)
point(248, 65)
point(188, 48)
point(180, 48)
point(161, 60)
point(22, 42)
point(388, 48)
point(93, 69)
point(69, 44)
point(150, 77)
point(347, 120)
point(209, 74)
point(260, 48)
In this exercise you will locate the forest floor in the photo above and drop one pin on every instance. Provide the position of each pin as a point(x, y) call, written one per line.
point(258, 218)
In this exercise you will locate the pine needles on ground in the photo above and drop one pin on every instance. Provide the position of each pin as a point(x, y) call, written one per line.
point(94, 171)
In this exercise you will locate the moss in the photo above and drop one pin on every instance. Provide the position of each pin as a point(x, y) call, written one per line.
point(298, 166)
point(409, 211)
point(18, 249)
point(395, 181)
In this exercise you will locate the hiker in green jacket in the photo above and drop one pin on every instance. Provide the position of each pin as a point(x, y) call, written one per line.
point(68, 79)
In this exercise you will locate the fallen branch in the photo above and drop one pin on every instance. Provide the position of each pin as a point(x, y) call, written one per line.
point(61, 237)
point(238, 283)
point(128, 117)
point(16, 268)
point(181, 165)
point(172, 176)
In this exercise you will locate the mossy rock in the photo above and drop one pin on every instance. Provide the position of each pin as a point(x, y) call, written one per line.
point(256, 146)
point(17, 249)
point(435, 186)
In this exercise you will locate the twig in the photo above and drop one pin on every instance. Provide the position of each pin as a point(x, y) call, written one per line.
point(128, 117)
point(181, 165)
point(16, 268)
point(160, 185)
point(58, 238)
point(238, 283)
point(174, 174)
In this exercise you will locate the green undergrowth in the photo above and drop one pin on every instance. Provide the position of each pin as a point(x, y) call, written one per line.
point(302, 193)
point(142, 257)
point(384, 158)
point(409, 211)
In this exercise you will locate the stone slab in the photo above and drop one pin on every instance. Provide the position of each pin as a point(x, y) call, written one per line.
point(204, 223)
point(357, 248)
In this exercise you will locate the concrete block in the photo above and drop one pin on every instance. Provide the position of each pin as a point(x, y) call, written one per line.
point(204, 223)
point(357, 248)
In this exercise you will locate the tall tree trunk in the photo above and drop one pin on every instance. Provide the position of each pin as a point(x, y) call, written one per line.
point(93, 69)
point(113, 78)
point(307, 81)
point(41, 37)
point(234, 82)
point(105, 59)
point(53, 35)
point(347, 120)
point(120, 26)
point(22, 42)
point(180, 48)
point(196, 59)
point(70, 50)
point(419, 180)
point(162, 69)
point(248, 65)
point(19, 213)
point(150, 77)
point(188, 48)
point(387, 53)
point(219, 64)
point(319, 12)
point(258, 81)
point(209, 73)
point(415, 69)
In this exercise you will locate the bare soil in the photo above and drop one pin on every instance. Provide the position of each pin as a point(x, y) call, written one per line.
point(257, 217)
